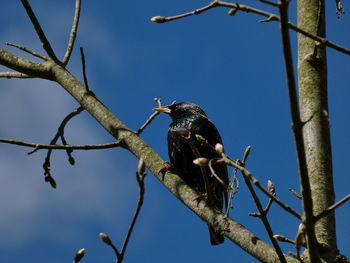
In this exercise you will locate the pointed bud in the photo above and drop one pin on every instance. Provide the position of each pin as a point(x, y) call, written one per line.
point(219, 148)
point(158, 19)
point(141, 168)
point(232, 11)
point(280, 238)
point(105, 238)
point(271, 187)
point(299, 240)
point(79, 255)
point(201, 161)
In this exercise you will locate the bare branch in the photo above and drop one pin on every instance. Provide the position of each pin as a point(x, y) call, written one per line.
point(262, 211)
point(12, 74)
point(140, 177)
point(73, 33)
point(38, 146)
point(161, 19)
point(44, 41)
point(250, 176)
point(84, 69)
point(333, 207)
point(244, 8)
point(27, 50)
point(25, 66)
point(297, 195)
point(151, 118)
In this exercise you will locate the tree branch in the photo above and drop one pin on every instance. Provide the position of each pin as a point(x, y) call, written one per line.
point(244, 8)
point(73, 33)
point(11, 74)
point(44, 41)
point(38, 146)
point(333, 207)
point(27, 50)
point(298, 135)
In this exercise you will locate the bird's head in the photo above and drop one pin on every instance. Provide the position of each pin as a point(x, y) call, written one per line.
point(182, 109)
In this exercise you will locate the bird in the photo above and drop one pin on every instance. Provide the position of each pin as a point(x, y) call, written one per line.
point(190, 134)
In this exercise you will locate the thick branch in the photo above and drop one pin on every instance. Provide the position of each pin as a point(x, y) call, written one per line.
point(129, 140)
point(25, 66)
point(298, 135)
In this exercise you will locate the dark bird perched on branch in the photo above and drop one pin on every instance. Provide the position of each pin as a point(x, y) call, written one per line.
point(184, 145)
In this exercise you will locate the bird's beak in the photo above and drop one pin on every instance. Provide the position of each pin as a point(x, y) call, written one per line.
point(163, 109)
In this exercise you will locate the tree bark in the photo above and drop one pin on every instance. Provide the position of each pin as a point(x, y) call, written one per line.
point(312, 78)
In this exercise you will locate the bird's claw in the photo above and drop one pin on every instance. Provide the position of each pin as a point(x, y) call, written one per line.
point(167, 166)
point(200, 197)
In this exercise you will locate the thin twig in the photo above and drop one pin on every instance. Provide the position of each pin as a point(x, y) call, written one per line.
point(250, 176)
point(333, 207)
point(73, 33)
point(234, 184)
point(140, 180)
point(60, 133)
point(269, 3)
point(151, 118)
point(84, 69)
point(248, 9)
point(44, 41)
point(263, 217)
point(13, 74)
point(213, 173)
point(161, 19)
point(27, 50)
point(105, 238)
point(297, 195)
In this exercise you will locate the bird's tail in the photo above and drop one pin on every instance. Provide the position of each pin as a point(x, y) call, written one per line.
point(216, 238)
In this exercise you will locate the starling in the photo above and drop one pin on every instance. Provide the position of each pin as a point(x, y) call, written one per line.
point(184, 145)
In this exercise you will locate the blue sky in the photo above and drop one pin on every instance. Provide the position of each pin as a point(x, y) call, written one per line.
point(231, 66)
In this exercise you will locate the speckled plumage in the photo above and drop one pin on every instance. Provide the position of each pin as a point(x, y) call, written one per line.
point(189, 120)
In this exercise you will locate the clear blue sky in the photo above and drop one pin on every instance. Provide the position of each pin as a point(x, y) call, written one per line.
point(231, 66)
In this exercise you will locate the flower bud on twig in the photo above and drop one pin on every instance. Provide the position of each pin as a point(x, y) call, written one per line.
point(158, 19)
point(300, 238)
point(79, 255)
point(219, 148)
point(271, 187)
point(201, 161)
point(105, 238)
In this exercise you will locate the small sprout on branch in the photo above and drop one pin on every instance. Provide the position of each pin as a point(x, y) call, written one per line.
point(79, 255)
point(271, 187)
point(282, 238)
point(105, 238)
point(232, 11)
point(299, 240)
point(339, 8)
point(246, 154)
point(201, 161)
point(159, 19)
point(219, 148)
point(295, 193)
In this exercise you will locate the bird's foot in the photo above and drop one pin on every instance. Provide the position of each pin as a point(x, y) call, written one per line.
point(200, 197)
point(167, 166)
